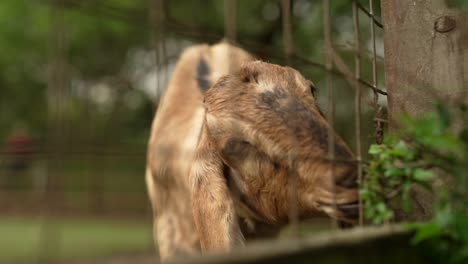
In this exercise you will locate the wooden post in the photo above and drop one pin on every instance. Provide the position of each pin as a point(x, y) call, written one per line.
point(363, 246)
point(426, 55)
point(426, 60)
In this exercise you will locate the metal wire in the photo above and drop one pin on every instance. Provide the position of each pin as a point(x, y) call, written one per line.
point(293, 180)
point(378, 109)
point(230, 25)
point(357, 102)
point(330, 100)
point(198, 33)
point(49, 233)
point(160, 24)
point(287, 31)
point(368, 13)
point(157, 18)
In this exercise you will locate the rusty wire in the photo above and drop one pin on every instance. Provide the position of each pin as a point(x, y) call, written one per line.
point(357, 102)
point(198, 33)
point(230, 24)
point(56, 85)
point(161, 22)
point(377, 107)
point(287, 31)
point(201, 33)
point(293, 180)
point(332, 58)
point(369, 13)
point(157, 18)
point(328, 50)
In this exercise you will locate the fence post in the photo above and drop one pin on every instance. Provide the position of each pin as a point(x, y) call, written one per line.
point(426, 60)
point(426, 55)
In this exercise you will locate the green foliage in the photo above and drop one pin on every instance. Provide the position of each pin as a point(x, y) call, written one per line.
point(96, 44)
point(443, 137)
point(437, 141)
point(393, 169)
point(100, 36)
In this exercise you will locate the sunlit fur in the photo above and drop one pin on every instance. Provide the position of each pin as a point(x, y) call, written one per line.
point(174, 136)
point(219, 164)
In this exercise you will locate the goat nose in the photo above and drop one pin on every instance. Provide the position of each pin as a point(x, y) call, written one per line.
point(350, 211)
point(347, 182)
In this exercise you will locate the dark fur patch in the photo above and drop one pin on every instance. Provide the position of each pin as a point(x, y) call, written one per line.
point(349, 182)
point(249, 75)
point(236, 148)
point(296, 116)
point(274, 99)
point(203, 71)
point(236, 191)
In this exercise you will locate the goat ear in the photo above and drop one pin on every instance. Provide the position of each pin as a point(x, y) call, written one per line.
point(249, 74)
point(213, 206)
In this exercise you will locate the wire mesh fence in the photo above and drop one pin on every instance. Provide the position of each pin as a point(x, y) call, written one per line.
point(89, 157)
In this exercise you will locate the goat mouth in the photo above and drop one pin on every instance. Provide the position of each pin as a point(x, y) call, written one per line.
point(345, 211)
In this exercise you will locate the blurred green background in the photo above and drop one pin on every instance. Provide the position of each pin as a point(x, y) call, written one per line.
point(79, 85)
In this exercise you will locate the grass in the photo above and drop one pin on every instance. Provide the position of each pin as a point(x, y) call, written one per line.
point(21, 240)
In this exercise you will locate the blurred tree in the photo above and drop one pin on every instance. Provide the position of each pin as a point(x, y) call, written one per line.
point(104, 37)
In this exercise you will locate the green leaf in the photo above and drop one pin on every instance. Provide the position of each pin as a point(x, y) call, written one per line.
point(400, 148)
point(388, 215)
point(444, 114)
point(377, 219)
point(401, 145)
point(406, 202)
point(394, 172)
point(425, 185)
point(461, 226)
point(423, 175)
point(444, 217)
point(375, 149)
point(428, 231)
point(445, 142)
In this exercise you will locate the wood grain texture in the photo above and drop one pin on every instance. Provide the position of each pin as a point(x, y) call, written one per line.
point(426, 55)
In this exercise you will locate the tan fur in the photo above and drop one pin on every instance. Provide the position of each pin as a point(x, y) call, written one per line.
point(219, 165)
point(174, 136)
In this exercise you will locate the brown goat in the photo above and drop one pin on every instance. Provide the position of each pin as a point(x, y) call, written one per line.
point(219, 165)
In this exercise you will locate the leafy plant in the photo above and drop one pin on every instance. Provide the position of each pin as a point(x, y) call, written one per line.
point(437, 141)
point(443, 136)
point(393, 169)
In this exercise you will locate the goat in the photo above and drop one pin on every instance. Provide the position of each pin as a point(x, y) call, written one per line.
point(229, 136)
